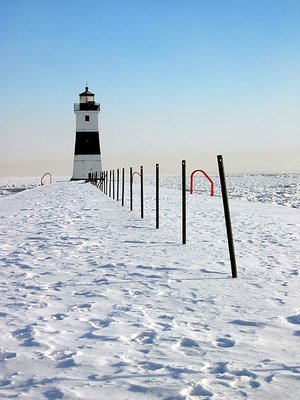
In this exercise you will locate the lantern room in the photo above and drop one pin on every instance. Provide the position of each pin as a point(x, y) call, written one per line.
point(86, 101)
point(86, 96)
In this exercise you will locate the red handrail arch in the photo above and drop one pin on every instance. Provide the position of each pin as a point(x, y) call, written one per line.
point(50, 176)
point(212, 185)
point(133, 175)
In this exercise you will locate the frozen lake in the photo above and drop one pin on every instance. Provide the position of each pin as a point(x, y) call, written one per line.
point(282, 189)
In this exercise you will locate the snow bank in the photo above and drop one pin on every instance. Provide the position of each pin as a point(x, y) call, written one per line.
point(97, 304)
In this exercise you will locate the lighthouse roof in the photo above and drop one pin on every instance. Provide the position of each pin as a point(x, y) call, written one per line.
point(86, 92)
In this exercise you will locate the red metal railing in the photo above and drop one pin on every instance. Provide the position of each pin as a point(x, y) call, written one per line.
point(50, 176)
point(212, 186)
point(134, 173)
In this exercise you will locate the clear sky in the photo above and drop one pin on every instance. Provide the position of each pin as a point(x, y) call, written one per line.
point(176, 79)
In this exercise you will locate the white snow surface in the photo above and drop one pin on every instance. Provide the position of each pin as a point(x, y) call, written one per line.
point(98, 304)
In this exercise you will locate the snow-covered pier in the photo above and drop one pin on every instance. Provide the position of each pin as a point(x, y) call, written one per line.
point(96, 303)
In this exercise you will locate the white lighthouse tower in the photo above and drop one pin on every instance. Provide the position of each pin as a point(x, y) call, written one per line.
point(87, 154)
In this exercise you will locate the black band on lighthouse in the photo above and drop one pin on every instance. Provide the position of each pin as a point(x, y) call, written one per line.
point(87, 143)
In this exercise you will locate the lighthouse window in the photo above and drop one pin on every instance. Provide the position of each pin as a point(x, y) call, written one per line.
point(87, 117)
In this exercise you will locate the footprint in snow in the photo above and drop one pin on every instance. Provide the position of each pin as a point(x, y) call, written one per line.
point(27, 335)
point(220, 368)
point(294, 319)
point(294, 272)
point(6, 355)
point(151, 366)
point(225, 342)
point(189, 347)
point(85, 293)
point(245, 323)
point(165, 326)
point(82, 307)
point(279, 301)
point(242, 378)
point(53, 394)
point(5, 382)
point(59, 316)
point(103, 280)
point(104, 323)
point(186, 342)
point(145, 337)
point(68, 363)
point(246, 375)
point(60, 355)
point(57, 286)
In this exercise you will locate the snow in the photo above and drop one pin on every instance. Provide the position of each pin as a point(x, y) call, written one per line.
point(96, 303)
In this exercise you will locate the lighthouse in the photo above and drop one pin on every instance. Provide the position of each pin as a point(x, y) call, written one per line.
point(87, 154)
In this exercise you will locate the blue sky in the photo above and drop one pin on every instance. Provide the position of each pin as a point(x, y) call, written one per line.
point(175, 79)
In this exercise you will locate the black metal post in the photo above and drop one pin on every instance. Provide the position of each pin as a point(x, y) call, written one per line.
point(130, 177)
point(101, 182)
point(123, 185)
point(183, 202)
point(157, 195)
point(110, 183)
point(142, 191)
point(106, 178)
point(118, 178)
point(227, 216)
point(113, 183)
